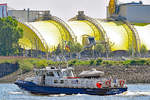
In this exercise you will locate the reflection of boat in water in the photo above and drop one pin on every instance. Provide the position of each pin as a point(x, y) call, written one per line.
point(51, 80)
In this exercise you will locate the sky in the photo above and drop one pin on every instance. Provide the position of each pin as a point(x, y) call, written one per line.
point(66, 9)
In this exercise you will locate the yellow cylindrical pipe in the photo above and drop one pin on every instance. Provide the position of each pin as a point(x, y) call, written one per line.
point(52, 32)
point(30, 40)
point(83, 28)
point(144, 33)
point(117, 35)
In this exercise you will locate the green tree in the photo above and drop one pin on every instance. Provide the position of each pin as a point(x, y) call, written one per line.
point(58, 50)
point(143, 49)
point(100, 49)
point(131, 51)
point(75, 47)
point(10, 34)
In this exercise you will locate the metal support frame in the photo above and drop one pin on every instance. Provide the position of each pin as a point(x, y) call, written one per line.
point(99, 27)
point(61, 32)
point(40, 36)
point(65, 25)
point(134, 38)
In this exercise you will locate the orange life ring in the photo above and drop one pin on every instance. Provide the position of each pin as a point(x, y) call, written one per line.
point(122, 83)
point(108, 83)
point(99, 84)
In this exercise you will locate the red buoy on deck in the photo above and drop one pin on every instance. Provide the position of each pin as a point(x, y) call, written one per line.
point(99, 84)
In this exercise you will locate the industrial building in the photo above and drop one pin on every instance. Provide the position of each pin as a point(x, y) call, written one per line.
point(132, 12)
point(27, 15)
point(126, 28)
point(3, 10)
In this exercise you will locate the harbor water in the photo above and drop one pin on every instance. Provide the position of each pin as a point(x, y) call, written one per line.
point(135, 92)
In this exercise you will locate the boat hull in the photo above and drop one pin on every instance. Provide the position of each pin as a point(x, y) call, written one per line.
point(37, 89)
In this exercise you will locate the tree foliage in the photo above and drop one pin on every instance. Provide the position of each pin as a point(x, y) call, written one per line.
point(143, 49)
point(74, 47)
point(10, 34)
point(100, 48)
point(130, 50)
point(58, 50)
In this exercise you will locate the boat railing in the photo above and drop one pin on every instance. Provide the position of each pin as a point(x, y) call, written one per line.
point(81, 82)
point(72, 83)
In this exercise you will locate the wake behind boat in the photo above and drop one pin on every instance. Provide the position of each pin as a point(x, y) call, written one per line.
point(52, 80)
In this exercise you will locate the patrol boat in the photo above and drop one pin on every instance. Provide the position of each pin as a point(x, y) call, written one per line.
point(52, 80)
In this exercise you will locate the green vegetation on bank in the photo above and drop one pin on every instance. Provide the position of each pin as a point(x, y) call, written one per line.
point(27, 64)
point(140, 24)
point(10, 34)
point(100, 62)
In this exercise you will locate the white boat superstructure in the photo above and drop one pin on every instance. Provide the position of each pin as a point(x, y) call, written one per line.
point(52, 80)
point(51, 76)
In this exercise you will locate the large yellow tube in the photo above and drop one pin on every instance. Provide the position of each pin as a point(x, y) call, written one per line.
point(30, 39)
point(83, 27)
point(117, 35)
point(144, 34)
point(52, 32)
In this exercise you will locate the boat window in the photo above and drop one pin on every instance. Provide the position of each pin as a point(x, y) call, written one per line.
point(55, 81)
point(61, 81)
point(58, 74)
point(37, 73)
point(50, 74)
point(40, 73)
point(69, 73)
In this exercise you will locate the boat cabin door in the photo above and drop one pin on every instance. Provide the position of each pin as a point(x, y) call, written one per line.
point(43, 80)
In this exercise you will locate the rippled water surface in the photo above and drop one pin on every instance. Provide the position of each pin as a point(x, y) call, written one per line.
point(135, 92)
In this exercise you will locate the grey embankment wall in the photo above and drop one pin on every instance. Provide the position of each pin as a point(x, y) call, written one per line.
point(7, 68)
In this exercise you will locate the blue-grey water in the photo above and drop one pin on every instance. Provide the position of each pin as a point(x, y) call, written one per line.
point(135, 92)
